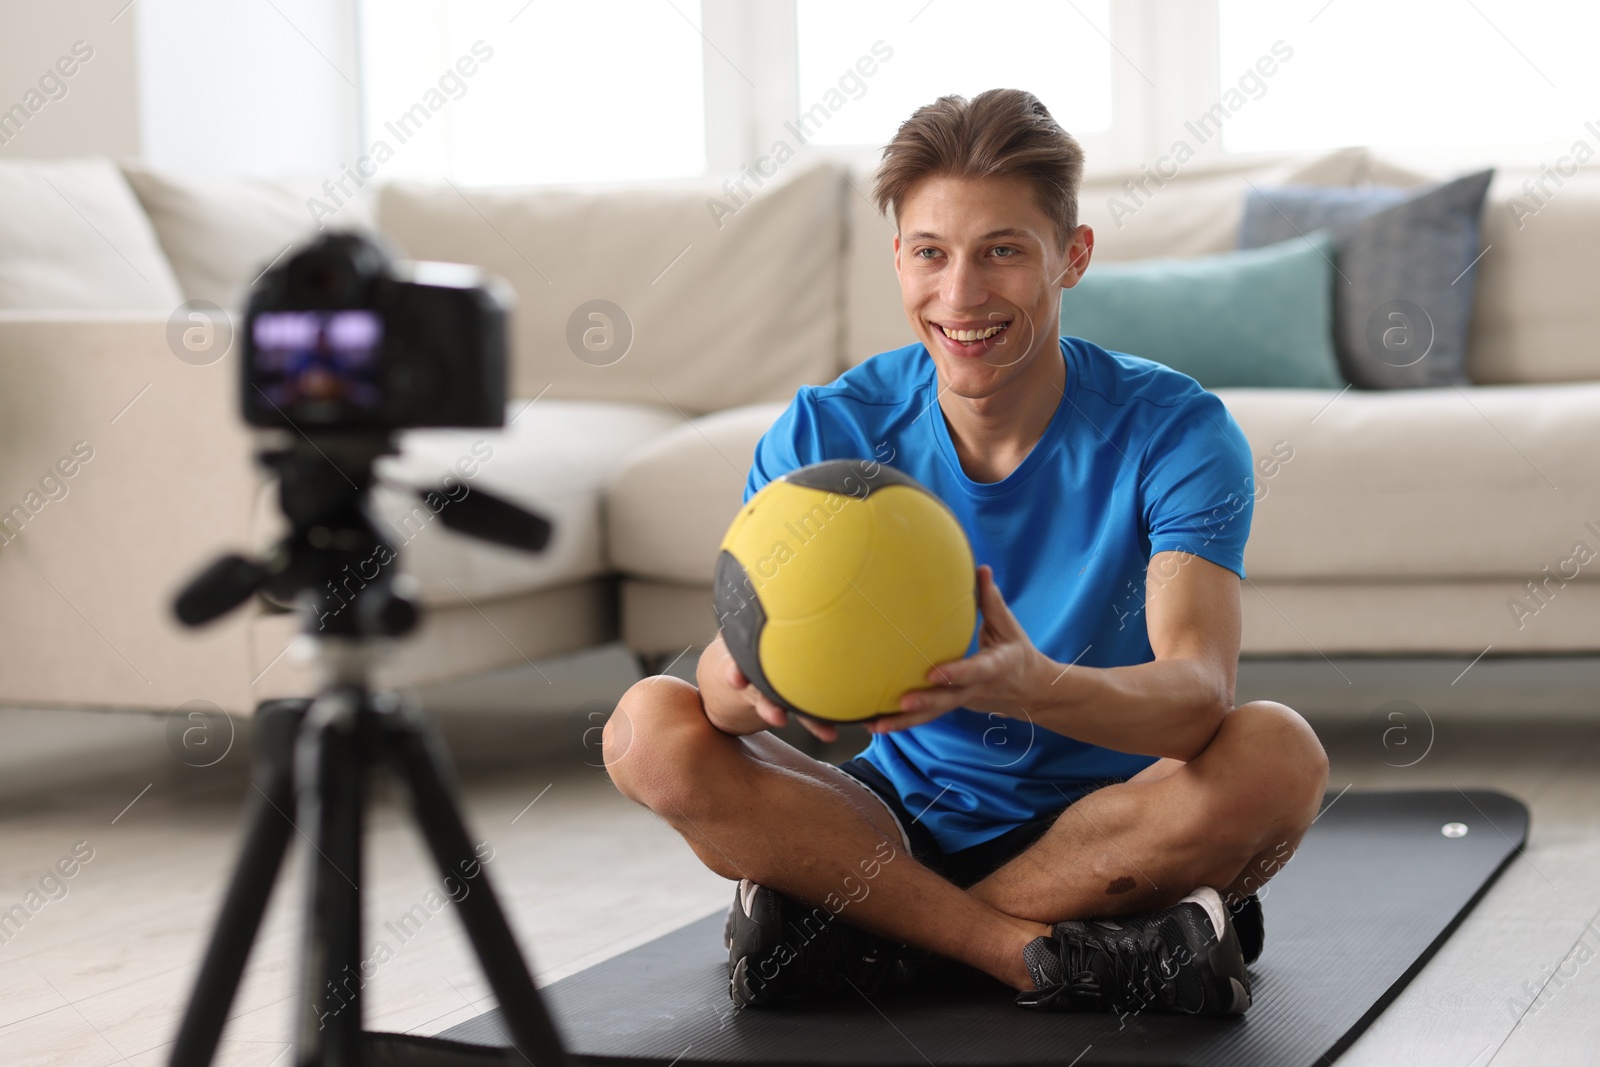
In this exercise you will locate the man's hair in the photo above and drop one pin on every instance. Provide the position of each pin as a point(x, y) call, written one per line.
point(998, 133)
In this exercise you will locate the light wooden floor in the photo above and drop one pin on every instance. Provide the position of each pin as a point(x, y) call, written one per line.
point(99, 976)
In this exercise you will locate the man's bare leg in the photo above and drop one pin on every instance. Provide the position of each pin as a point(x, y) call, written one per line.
point(1230, 818)
point(754, 807)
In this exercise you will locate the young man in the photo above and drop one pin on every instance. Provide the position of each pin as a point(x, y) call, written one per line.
point(1078, 809)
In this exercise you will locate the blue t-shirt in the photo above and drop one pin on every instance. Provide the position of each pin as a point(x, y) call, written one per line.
point(1138, 459)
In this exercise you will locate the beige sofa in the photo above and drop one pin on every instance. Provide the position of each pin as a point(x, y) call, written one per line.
point(1406, 522)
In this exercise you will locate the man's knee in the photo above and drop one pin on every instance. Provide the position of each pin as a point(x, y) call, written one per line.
point(1293, 745)
point(1275, 772)
point(650, 742)
point(1289, 762)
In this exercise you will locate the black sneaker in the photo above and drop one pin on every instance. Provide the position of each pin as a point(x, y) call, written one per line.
point(1185, 958)
point(1249, 924)
point(780, 951)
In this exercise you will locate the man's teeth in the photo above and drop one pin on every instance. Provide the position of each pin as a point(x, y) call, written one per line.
point(973, 335)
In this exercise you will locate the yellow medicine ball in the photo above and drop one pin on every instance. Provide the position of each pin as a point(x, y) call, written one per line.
point(840, 584)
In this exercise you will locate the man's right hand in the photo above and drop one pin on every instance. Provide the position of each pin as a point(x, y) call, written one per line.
point(769, 712)
point(735, 706)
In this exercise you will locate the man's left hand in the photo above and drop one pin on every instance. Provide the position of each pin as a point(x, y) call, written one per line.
point(997, 678)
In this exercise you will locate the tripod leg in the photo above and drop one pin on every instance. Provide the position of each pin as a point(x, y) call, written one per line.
point(421, 760)
point(331, 771)
point(271, 821)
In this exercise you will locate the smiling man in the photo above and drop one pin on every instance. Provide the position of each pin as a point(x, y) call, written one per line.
point(1078, 809)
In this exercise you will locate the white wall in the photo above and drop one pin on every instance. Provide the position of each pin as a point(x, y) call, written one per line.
point(248, 86)
point(96, 109)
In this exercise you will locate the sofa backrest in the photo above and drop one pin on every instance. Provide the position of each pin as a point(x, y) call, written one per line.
point(1535, 315)
point(734, 296)
point(73, 236)
point(716, 298)
point(221, 232)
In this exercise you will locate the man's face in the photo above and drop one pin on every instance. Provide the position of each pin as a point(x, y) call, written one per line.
point(978, 258)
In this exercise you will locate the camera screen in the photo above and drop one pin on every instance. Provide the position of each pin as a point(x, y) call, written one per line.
point(311, 363)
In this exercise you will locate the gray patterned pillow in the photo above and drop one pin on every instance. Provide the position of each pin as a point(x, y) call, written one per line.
point(1405, 266)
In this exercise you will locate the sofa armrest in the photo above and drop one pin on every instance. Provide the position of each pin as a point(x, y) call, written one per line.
point(123, 470)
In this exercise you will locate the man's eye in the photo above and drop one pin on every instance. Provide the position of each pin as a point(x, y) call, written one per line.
point(1005, 251)
point(931, 252)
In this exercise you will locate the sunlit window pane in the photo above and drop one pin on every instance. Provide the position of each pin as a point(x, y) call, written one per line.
point(591, 92)
point(1413, 75)
point(937, 47)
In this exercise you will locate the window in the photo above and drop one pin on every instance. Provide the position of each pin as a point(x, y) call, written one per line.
point(937, 47)
point(557, 92)
point(1425, 74)
point(638, 90)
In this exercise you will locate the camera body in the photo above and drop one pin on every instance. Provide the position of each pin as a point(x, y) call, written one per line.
point(342, 338)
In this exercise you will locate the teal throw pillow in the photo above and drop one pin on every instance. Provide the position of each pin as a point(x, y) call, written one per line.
point(1260, 317)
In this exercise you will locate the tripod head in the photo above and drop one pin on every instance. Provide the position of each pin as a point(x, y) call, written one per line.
point(334, 565)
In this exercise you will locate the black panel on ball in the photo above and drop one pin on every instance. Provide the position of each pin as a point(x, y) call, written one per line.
point(742, 619)
point(847, 477)
point(857, 478)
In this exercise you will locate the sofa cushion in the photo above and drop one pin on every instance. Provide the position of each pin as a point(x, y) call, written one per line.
point(1405, 263)
point(672, 500)
point(553, 457)
point(219, 233)
point(1195, 213)
point(1258, 317)
point(72, 236)
point(717, 300)
point(1473, 482)
point(1423, 484)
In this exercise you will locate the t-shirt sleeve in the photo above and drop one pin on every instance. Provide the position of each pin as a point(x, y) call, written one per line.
point(1199, 486)
point(792, 442)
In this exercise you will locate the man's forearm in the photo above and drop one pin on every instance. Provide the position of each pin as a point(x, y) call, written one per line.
point(1170, 707)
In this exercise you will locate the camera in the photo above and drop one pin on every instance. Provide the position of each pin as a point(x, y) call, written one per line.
point(342, 337)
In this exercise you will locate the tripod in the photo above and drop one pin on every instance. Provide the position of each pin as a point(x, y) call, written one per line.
point(313, 757)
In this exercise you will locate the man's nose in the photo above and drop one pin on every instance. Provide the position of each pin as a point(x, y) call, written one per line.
point(964, 285)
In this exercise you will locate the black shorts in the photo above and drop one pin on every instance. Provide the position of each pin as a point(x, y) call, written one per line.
point(964, 867)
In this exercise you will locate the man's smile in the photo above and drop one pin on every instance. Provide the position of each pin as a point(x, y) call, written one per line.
point(970, 338)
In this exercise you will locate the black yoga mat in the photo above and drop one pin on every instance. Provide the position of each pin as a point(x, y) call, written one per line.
point(1377, 885)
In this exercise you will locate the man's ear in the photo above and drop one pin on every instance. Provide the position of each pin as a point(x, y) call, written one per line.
point(1079, 251)
point(897, 252)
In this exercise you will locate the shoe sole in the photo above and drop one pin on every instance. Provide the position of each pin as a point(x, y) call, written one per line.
point(1226, 960)
point(1241, 998)
point(1226, 957)
point(739, 990)
point(745, 938)
point(1253, 909)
